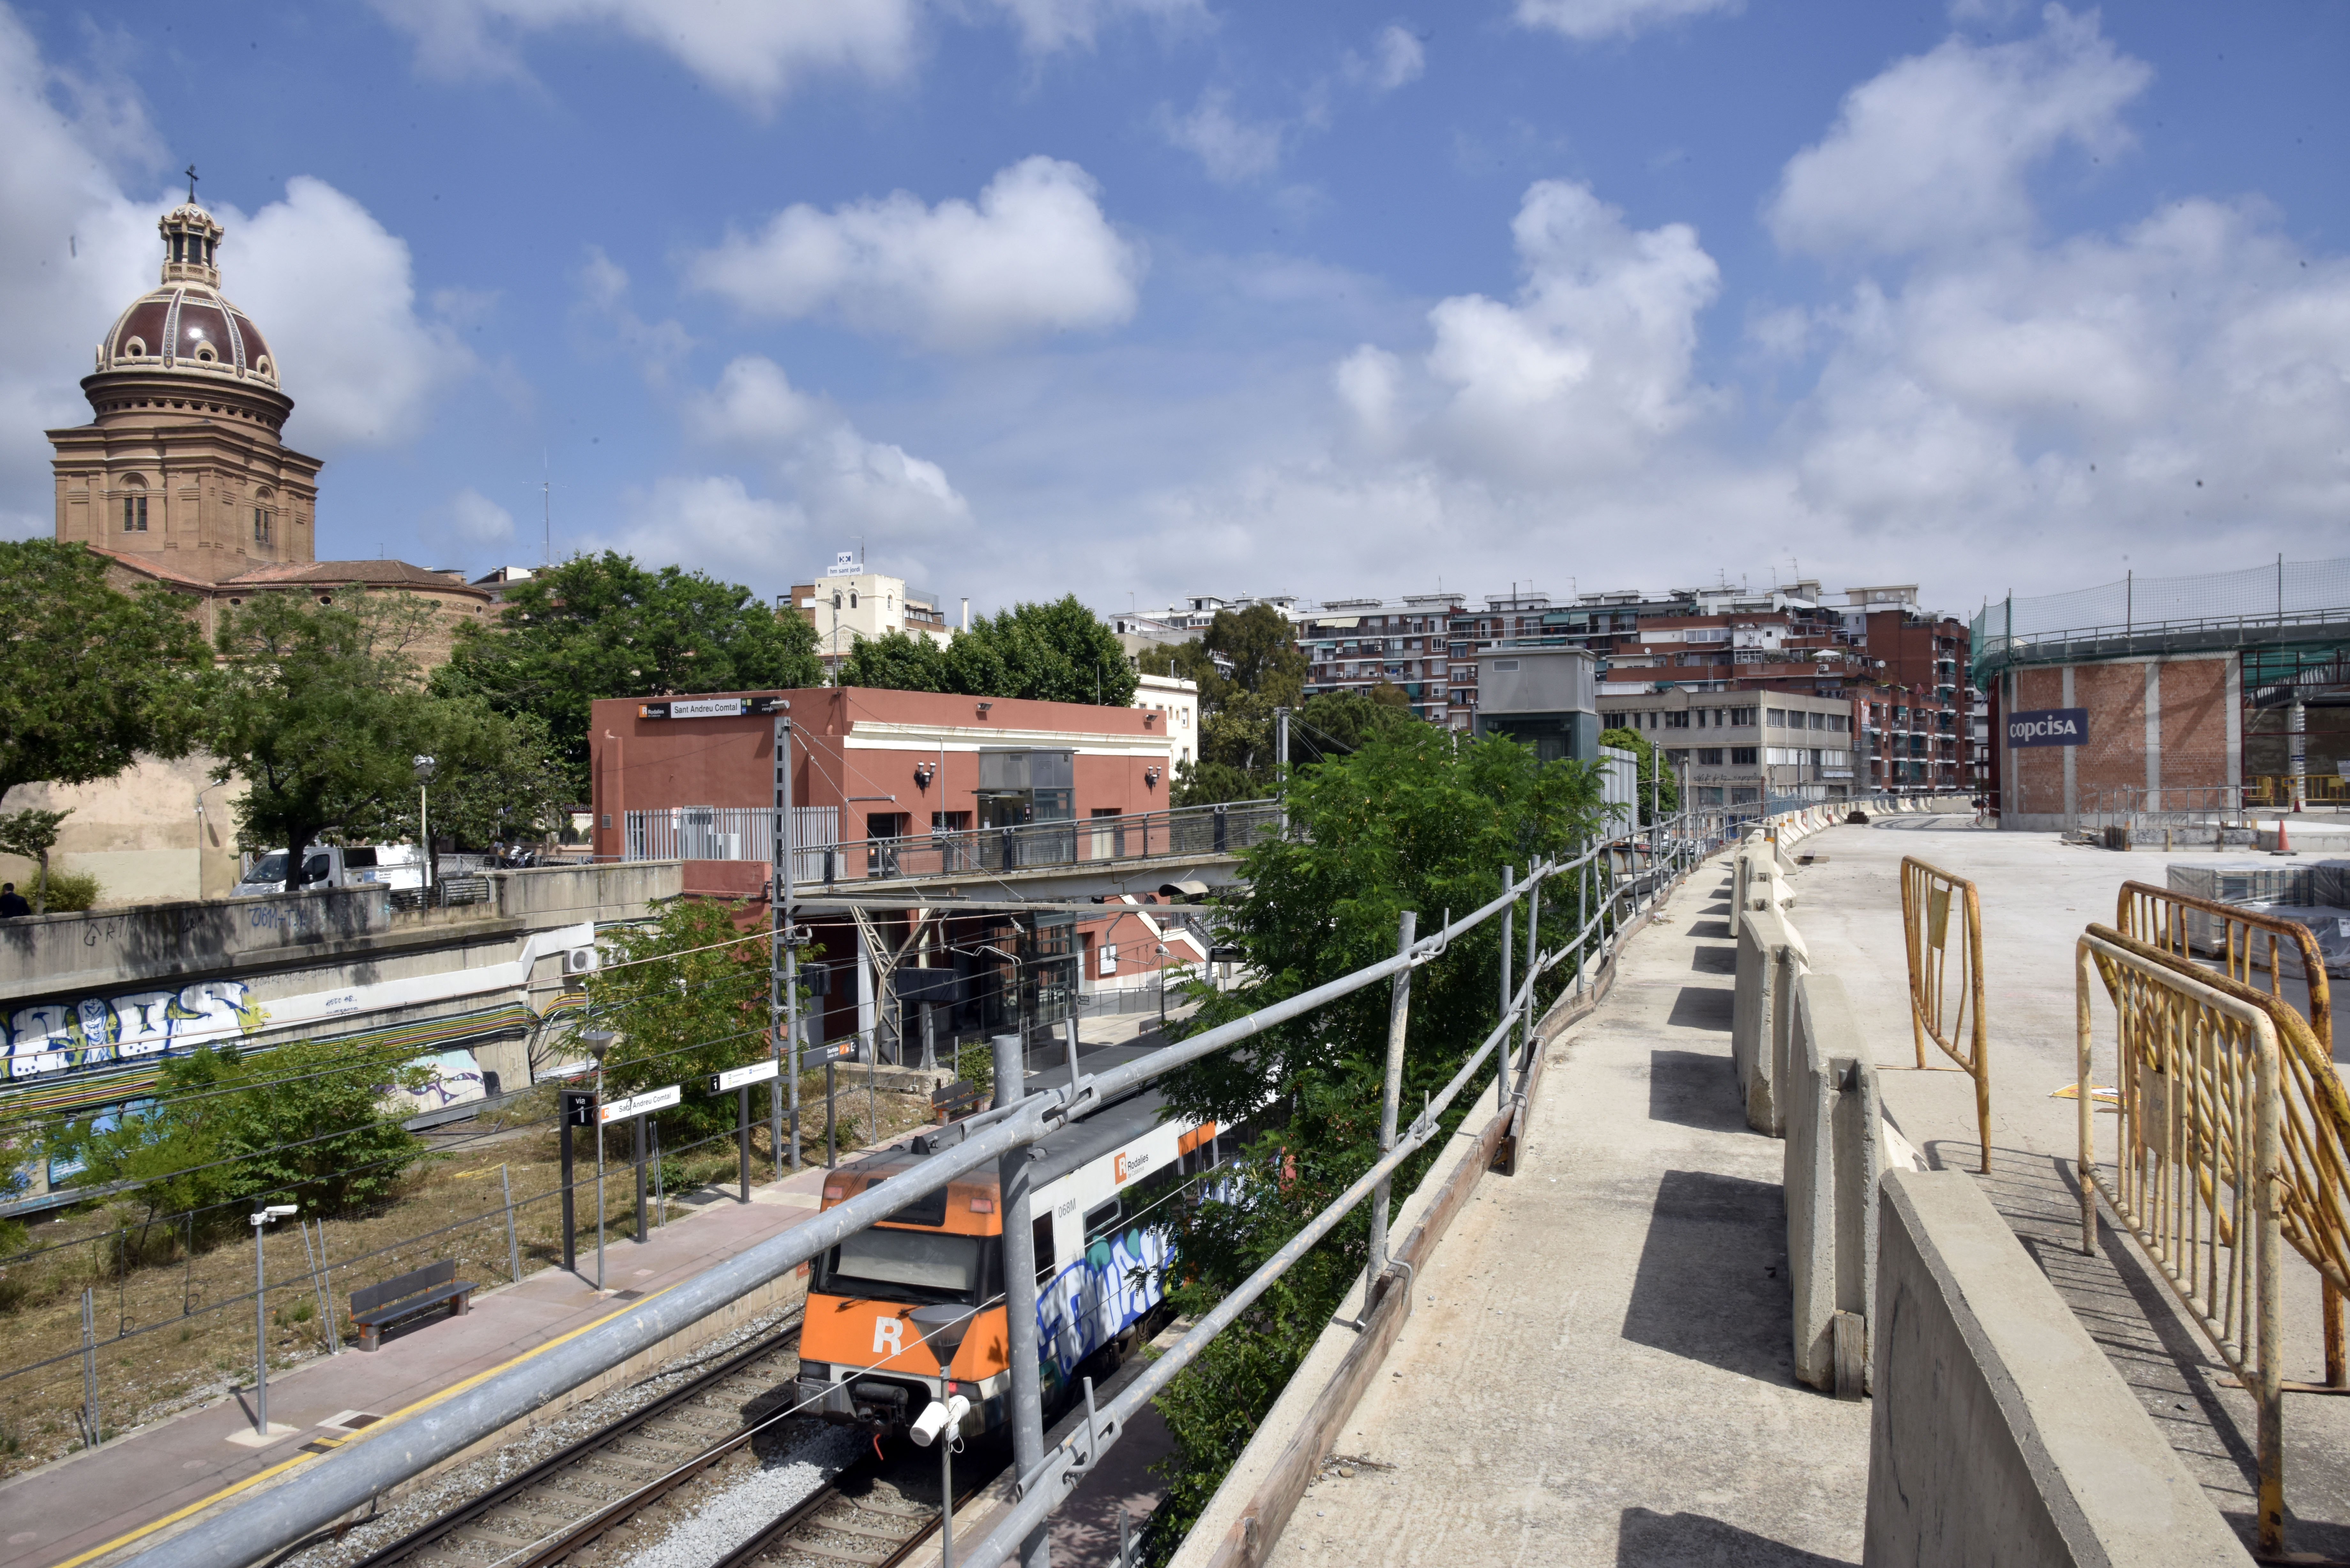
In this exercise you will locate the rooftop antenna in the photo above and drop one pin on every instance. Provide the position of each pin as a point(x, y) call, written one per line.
point(191, 184)
point(545, 510)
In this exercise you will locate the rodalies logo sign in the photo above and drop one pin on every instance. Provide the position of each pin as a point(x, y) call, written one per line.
point(2049, 727)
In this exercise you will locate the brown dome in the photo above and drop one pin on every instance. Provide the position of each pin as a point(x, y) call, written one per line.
point(185, 326)
point(188, 327)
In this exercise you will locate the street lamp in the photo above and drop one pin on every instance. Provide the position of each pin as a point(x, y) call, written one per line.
point(943, 1327)
point(261, 1318)
point(425, 768)
point(1162, 989)
point(600, 1043)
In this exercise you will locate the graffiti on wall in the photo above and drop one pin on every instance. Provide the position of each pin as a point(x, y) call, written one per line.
point(97, 1030)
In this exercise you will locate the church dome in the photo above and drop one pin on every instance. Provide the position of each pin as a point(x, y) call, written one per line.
point(185, 326)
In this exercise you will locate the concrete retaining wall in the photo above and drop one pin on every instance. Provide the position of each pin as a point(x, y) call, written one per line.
point(1834, 1155)
point(2001, 1433)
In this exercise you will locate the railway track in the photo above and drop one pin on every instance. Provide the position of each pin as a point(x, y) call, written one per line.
point(569, 1500)
point(877, 1529)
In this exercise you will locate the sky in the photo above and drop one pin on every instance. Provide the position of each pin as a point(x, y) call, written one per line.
point(1141, 299)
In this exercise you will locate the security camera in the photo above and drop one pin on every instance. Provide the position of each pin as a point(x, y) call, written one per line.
point(940, 1418)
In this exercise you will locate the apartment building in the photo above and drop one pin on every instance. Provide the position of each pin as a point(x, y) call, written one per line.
point(851, 604)
point(1742, 748)
point(1422, 643)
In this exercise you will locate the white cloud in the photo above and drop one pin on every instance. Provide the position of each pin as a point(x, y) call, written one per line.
point(1396, 59)
point(1231, 149)
point(1033, 257)
point(755, 52)
point(1586, 20)
point(334, 292)
point(713, 523)
point(658, 347)
point(1584, 373)
point(1047, 26)
point(1935, 152)
point(479, 522)
point(842, 481)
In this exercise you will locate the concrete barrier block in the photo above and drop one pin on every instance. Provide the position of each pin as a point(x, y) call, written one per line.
point(1753, 1028)
point(1833, 1157)
point(2000, 1432)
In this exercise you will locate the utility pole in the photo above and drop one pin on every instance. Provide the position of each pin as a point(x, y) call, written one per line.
point(1281, 765)
point(783, 958)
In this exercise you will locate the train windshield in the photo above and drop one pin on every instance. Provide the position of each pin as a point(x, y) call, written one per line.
point(905, 1265)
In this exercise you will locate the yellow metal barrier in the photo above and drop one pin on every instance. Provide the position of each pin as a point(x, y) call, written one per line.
point(2167, 919)
point(2314, 1207)
point(2197, 1167)
point(1946, 997)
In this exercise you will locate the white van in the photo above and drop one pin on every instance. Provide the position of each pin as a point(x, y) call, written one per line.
point(337, 866)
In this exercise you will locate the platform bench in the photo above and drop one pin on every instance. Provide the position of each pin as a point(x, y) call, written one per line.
point(404, 1296)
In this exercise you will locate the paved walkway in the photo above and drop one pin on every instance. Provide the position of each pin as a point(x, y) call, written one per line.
point(1599, 1370)
point(2038, 894)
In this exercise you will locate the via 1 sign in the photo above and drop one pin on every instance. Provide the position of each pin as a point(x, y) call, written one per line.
point(638, 1105)
point(2049, 727)
point(736, 1077)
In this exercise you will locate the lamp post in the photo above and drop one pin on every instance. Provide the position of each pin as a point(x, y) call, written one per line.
point(1162, 990)
point(261, 1318)
point(943, 1327)
point(425, 768)
point(600, 1043)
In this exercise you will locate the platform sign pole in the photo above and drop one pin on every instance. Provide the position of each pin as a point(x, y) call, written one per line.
point(831, 1104)
point(783, 957)
point(743, 1161)
point(636, 1130)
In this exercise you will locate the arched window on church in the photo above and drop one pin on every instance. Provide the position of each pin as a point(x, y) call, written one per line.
point(852, 598)
point(134, 506)
point(264, 517)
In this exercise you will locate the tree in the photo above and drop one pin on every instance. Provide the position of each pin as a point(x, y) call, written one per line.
point(497, 779)
point(32, 833)
point(89, 676)
point(320, 709)
point(308, 1122)
point(602, 625)
point(1418, 818)
point(1059, 652)
point(1653, 770)
point(688, 996)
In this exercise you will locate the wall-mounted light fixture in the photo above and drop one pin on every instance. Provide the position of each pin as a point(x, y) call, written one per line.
point(923, 772)
point(984, 707)
point(1151, 778)
point(1148, 717)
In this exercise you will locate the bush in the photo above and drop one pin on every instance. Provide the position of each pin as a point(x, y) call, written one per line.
point(70, 892)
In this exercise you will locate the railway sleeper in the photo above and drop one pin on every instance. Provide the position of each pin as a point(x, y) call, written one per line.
point(858, 1527)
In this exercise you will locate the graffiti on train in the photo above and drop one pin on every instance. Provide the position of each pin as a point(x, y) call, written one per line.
point(1121, 1277)
point(97, 1030)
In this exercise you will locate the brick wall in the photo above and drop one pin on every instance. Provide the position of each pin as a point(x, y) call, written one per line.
point(2194, 722)
point(2039, 770)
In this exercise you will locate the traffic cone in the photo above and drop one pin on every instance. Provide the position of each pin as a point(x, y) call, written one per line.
point(2283, 847)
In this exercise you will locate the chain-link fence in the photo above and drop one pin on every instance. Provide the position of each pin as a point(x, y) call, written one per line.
point(2283, 594)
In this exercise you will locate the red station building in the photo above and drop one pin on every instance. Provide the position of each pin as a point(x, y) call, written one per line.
point(903, 782)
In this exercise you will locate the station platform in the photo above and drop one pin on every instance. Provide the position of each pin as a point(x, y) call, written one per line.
point(1598, 1370)
point(103, 1506)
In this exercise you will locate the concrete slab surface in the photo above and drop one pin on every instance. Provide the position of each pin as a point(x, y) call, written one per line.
point(2037, 894)
point(1598, 1370)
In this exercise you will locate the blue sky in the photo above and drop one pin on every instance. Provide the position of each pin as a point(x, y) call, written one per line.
point(1152, 298)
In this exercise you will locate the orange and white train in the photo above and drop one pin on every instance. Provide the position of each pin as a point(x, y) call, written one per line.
point(1104, 1195)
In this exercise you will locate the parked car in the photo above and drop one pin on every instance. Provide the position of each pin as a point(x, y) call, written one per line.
point(337, 866)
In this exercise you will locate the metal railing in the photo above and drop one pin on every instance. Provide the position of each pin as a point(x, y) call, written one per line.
point(744, 832)
point(2230, 1142)
point(1945, 979)
point(1615, 879)
point(2185, 925)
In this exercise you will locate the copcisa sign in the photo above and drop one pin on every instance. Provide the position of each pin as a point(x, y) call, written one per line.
point(2049, 727)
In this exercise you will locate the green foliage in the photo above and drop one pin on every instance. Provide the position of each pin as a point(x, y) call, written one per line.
point(1059, 652)
point(687, 994)
point(1654, 770)
point(1417, 818)
point(499, 779)
point(1246, 664)
point(602, 625)
point(217, 1140)
point(32, 833)
point(319, 709)
point(89, 676)
point(70, 892)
